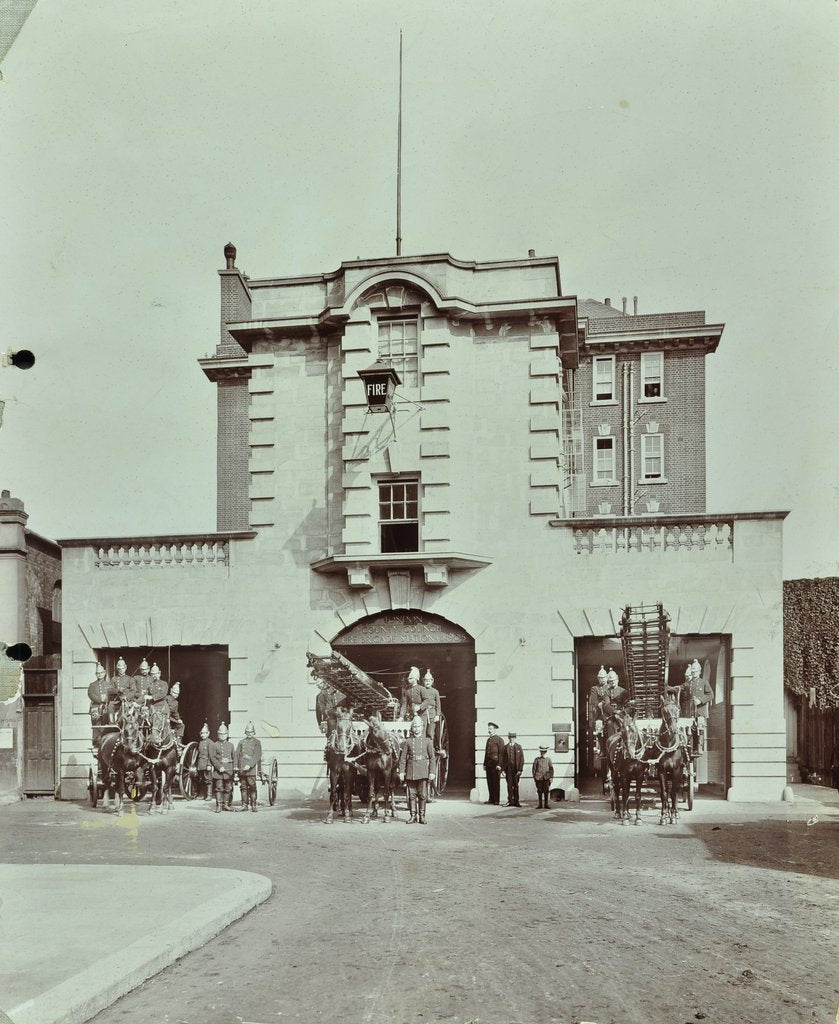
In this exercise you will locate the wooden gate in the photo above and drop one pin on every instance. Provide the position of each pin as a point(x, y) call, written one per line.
point(818, 738)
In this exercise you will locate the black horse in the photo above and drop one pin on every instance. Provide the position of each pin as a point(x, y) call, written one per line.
point(625, 752)
point(121, 758)
point(161, 754)
point(380, 759)
point(340, 747)
point(671, 761)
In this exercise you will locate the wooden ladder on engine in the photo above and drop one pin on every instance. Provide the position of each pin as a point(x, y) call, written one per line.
point(645, 640)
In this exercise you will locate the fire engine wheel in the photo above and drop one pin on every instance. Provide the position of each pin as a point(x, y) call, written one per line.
point(92, 787)
point(187, 771)
point(442, 755)
point(273, 778)
point(691, 783)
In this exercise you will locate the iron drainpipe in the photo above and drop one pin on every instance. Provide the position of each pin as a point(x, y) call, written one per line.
point(631, 419)
point(625, 432)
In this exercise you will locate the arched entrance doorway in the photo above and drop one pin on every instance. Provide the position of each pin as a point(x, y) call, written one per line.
point(388, 644)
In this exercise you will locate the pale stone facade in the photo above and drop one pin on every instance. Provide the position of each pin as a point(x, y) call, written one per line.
point(481, 436)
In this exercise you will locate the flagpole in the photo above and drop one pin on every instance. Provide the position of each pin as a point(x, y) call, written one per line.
point(399, 159)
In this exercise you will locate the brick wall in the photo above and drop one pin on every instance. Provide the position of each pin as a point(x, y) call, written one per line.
point(232, 504)
point(680, 418)
point(645, 322)
point(43, 571)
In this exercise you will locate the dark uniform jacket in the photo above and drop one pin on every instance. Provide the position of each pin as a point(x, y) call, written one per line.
point(512, 759)
point(598, 697)
point(327, 702)
point(702, 694)
point(127, 686)
point(222, 758)
point(543, 769)
point(615, 700)
point(416, 758)
point(432, 702)
point(249, 757)
point(494, 753)
point(416, 700)
point(172, 703)
point(203, 761)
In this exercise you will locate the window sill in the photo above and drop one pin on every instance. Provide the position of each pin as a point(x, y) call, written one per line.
point(654, 480)
point(603, 401)
point(604, 483)
point(651, 401)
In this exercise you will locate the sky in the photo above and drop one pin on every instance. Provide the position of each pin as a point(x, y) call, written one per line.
point(685, 153)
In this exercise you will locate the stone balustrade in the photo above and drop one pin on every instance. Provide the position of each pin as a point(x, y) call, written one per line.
point(200, 550)
point(708, 536)
point(143, 555)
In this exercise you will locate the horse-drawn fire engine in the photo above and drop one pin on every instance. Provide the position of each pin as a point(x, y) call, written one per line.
point(651, 738)
point(368, 713)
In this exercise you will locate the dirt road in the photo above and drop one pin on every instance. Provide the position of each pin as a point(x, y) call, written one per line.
point(485, 915)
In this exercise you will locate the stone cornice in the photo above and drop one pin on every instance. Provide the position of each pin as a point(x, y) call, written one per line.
point(607, 522)
point(225, 368)
point(157, 538)
point(704, 336)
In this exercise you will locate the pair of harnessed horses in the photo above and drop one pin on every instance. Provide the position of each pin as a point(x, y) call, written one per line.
point(631, 756)
point(379, 756)
point(144, 741)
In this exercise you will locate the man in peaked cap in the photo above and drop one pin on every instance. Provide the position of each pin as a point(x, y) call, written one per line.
point(493, 756)
point(512, 762)
point(248, 764)
point(543, 773)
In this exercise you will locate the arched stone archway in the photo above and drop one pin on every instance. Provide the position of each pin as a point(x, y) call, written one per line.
point(387, 644)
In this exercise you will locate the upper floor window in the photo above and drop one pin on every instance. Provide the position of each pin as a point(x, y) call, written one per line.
point(652, 374)
point(399, 515)
point(603, 379)
point(604, 459)
point(652, 456)
point(399, 346)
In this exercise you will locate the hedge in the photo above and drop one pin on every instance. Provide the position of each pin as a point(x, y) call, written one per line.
point(811, 639)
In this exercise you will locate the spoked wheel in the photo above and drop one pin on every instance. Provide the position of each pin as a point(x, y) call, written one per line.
point(442, 755)
point(92, 787)
point(188, 772)
point(273, 778)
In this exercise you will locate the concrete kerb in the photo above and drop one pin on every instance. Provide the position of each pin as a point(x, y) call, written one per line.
point(85, 993)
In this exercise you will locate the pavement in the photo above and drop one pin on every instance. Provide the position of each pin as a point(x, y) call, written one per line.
point(74, 938)
point(77, 937)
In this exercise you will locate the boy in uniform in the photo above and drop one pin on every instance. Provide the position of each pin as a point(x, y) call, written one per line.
point(543, 773)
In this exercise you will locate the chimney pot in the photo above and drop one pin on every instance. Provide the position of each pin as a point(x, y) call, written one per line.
point(531, 253)
point(607, 302)
point(230, 256)
point(635, 305)
point(624, 305)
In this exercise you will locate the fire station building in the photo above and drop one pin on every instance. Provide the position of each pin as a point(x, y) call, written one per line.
point(517, 467)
